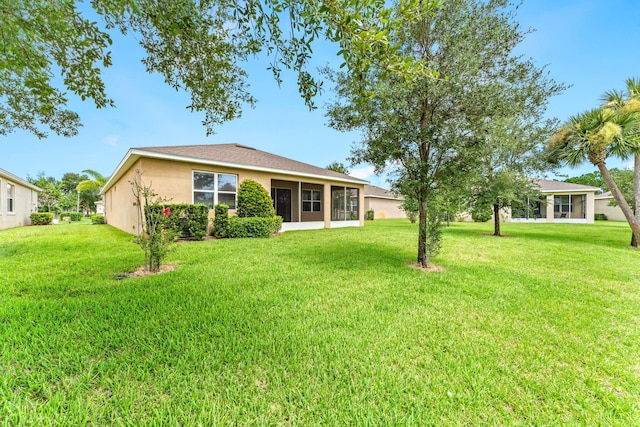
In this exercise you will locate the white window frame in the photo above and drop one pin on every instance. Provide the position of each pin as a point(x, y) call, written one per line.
point(311, 200)
point(11, 207)
point(215, 190)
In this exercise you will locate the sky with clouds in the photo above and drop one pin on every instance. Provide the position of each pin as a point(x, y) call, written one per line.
point(592, 45)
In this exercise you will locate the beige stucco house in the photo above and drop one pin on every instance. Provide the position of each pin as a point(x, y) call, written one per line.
point(603, 206)
point(383, 202)
point(561, 202)
point(18, 199)
point(306, 196)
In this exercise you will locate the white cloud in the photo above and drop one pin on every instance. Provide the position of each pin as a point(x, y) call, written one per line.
point(363, 173)
point(112, 140)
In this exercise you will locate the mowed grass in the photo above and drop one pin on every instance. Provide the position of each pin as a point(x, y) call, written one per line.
point(327, 327)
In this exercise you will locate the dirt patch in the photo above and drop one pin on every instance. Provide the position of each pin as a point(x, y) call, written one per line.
point(429, 269)
point(493, 235)
point(143, 272)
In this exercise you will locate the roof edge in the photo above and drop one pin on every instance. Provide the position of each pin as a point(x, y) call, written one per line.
point(22, 182)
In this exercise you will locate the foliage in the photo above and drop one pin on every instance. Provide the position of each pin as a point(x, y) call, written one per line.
point(497, 340)
point(254, 200)
point(189, 221)
point(72, 215)
point(97, 219)
point(156, 240)
point(599, 217)
point(428, 133)
point(369, 215)
point(338, 167)
point(41, 218)
point(42, 38)
point(481, 213)
point(261, 227)
point(221, 221)
point(410, 208)
point(593, 179)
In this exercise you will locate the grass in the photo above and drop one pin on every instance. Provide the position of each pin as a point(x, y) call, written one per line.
point(326, 327)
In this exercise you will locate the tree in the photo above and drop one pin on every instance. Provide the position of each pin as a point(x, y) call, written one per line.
point(512, 153)
point(595, 135)
point(428, 132)
point(49, 197)
point(197, 46)
point(593, 179)
point(338, 167)
point(629, 102)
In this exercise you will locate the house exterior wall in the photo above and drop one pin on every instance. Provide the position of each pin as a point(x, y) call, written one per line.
point(613, 213)
point(25, 201)
point(590, 208)
point(384, 208)
point(174, 180)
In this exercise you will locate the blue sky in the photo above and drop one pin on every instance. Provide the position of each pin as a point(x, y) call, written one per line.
point(592, 45)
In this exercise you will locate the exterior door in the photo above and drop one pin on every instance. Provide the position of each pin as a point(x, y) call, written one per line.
point(282, 202)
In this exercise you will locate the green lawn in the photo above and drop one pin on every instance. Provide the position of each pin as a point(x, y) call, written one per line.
point(326, 327)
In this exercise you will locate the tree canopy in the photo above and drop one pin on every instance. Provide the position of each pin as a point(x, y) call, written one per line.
point(49, 48)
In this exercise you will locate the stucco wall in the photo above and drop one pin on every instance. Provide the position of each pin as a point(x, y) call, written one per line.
point(25, 201)
point(384, 208)
point(613, 213)
point(174, 180)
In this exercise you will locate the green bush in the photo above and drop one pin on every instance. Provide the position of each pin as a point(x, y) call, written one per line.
point(187, 220)
point(97, 219)
point(41, 218)
point(221, 221)
point(600, 217)
point(369, 215)
point(75, 216)
point(482, 214)
point(253, 227)
point(254, 201)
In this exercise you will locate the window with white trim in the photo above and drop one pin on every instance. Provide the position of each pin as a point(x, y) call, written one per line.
point(311, 201)
point(11, 194)
point(211, 188)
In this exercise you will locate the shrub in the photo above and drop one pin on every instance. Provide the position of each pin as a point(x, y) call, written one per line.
point(369, 215)
point(97, 219)
point(41, 218)
point(254, 201)
point(482, 214)
point(253, 227)
point(600, 217)
point(187, 220)
point(221, 221)
point(75, 216)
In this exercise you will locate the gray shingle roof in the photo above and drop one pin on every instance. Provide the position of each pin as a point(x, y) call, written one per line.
point(379, 192)
point(549, 186)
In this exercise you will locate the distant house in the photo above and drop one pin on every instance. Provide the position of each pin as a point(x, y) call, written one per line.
point(18, 198)
point(561, 202)
point(306, 196)
point(384, 203)
point(603, 206)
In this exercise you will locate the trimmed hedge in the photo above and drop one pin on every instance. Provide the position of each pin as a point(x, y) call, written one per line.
point(253, 227)
point(221, 221)
point(75, 216)
point(600, 217)
point(369, 215)
point(41, 218)
point(97, 219)
point(189, 221)
point(254, 200)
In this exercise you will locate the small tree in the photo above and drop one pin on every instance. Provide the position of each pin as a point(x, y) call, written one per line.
point(155, 240)
point(338, 167)
point(254, 201)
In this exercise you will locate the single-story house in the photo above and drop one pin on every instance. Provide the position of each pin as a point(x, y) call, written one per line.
point(603, 206)
point(384, 203)
point(18, 199)
point(561, 202)
point(306, 196)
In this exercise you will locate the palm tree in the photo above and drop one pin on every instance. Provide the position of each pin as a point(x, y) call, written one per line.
point(595, 135)
point(629, 102)
point(96, 183)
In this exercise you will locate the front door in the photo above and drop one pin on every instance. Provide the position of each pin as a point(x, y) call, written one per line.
point(282, 202)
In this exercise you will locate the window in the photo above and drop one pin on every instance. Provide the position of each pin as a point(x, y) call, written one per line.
point(562, 204)
point(311, 201)
point(344, 203)
point(11, 194)
point(212, 188)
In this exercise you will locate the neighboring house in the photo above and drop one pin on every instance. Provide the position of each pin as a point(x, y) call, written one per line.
point(18, 199)
point(603, 206)
point(99, 207)
point(306, 196)
point(562, 202)
point(383, 202)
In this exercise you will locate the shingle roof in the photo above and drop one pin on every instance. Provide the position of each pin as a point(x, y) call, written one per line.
point(379, 192)
point(12, 177)
point(231, 155)
point(549, 186)
point(605, 195)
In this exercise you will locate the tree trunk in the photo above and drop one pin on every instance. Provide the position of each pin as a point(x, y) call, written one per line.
point(422, 234)
point(634, 222)
point(636, 196)
point(496, 220)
